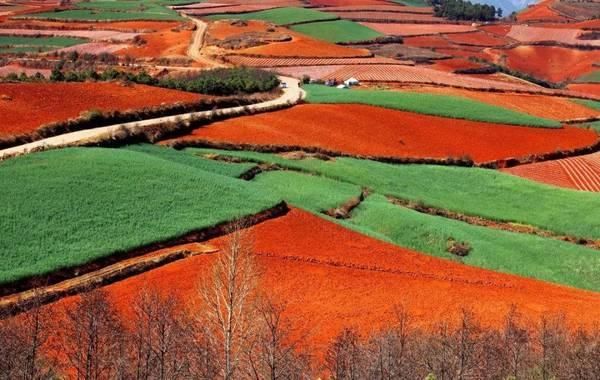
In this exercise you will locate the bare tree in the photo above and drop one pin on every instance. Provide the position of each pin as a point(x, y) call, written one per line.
point(552, 346)
point(92, 337)
point(272, 353)
point(516, 345)
point(392, 353)
point(161, 337)
point(228, 295)
point(22, 339)
point(345, 357)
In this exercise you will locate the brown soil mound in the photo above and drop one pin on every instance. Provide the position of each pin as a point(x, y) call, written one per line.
point(35, 104)
point(553, 63)
point(373, 131)
point(541, 12)
point(331, 278)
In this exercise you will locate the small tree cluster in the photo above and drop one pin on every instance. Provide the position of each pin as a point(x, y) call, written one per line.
point(465, 10)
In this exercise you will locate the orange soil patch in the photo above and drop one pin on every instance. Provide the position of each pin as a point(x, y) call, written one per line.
point(453, 64)
point(417, 29)
point(553, 63)
point(540, 12)
point(30, 105)
point(373, 131)
point(389, 17)
point(550, 107)
point(586, 88)
point(435, 41)
point(302, 46)
point(163, 43)
point(587, 24)
point(125, 26)
point(299, 46)
point(498, 29)
point(476, 39)
point(464, 52)
point(333, 278)
point(580, 173)
point(338, 3)
point(223, 29)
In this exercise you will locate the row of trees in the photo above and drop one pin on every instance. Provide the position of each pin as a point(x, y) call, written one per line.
point(231, 331)
point(219, 82)
point(465, 10)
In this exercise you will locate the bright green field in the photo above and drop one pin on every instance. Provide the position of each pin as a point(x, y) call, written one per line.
point(429, 104)
point(473, 191)
point(64, 208)
point(594, 125)
point(520, 254)
point(337, 31)
point(593, 77)
point(15, 44)
point(114, 10)
point(279, 16)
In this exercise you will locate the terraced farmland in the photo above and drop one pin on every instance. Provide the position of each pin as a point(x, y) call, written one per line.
point(23, 44)
point(280, 16)
point(129, 188)
point(447, 106)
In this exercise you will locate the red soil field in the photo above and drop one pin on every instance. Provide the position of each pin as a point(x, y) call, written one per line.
point(465, 52)
point(551, 107)
point(338, 3)
point(299, 46)
point(389, 17)
point(302, 46)
point(586, 88)
point(125, 26)
point(30, 105)
point(433, 41)
point(580, 173)
point(553, 63)
point(365, 62)
point(166, 42)
point(531, 34)
point(540, 12)
point(499, 29)
point(476, 39)
point(332, 278)
point(379, 8)
point(453, 64)
point(417, 29)
point(233, 9)
point(587, 24)
point(373, 131)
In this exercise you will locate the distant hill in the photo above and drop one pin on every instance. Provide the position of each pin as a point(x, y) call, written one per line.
point(508, 6)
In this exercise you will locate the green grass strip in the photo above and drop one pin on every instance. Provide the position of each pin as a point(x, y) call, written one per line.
point(279, 16)
point(473, 191)
point(337, 31)
point(429, 104)
point(16, 41)
point(67, 207)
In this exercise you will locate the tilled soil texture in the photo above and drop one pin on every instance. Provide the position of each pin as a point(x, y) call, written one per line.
point(541, 12)
point(477, 39)
point(585, 88)
point(552, 63)
point(332, 278)
point(163, 43)
point(550, 107)
point(378, 132)
point(417, 29)
point(299, 46)
point(27, 106)
point(580, 173)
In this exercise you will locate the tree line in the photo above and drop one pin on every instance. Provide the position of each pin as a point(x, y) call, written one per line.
point(465, 10)
point(233, 331)
point(217, 82)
